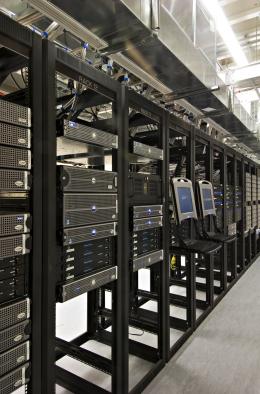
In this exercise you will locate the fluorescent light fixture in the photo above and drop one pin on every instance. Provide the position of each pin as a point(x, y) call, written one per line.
point(250, 71)
point(225, 31)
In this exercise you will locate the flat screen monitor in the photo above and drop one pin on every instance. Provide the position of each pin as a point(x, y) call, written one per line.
point(185, 199)
point(207, 199)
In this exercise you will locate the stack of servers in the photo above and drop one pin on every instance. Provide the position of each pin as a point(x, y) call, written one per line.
point(248, 202)
point(145, 192)
point(254, 199)
point(230, 204)
point(219, 203)
point(88, 211)
point(146, 237)
point(238, 203)
point(15, 245)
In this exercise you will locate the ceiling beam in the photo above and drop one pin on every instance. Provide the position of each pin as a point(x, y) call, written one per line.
point(244, 16)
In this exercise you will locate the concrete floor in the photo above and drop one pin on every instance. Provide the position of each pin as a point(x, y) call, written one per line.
point(223, 355)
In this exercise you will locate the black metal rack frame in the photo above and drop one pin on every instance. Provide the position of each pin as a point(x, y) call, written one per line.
point(27, 44)
point(155, 322)
point(62, 62)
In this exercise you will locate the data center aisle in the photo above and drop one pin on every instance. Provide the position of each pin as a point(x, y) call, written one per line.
point(222, 356)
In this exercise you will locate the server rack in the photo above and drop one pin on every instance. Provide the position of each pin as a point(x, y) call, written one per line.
point(21, 211)
point(181, 273)
point(254, 211)
point(103, 90)
point(231, 215)
point(204, 265)
point(148, 209)
point(239, 213)
point(248, 212)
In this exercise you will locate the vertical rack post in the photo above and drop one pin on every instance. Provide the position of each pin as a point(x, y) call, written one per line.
point(235, 243)
point(49, 218)
point(224, 183)
point(191, 277)
point(165, 326)
point(243, 214)
point(209, 174)
point(36, 267)
point(121, 294)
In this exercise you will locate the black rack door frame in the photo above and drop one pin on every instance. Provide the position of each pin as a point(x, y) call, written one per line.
point(26, 43)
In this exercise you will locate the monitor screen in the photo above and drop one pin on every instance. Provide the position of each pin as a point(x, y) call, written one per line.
point(207, 199)
point(185, 199)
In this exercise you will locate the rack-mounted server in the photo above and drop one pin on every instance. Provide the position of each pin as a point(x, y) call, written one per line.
point(11, 224)
point(146, 151)
point(73, 289)
point(13, 313)
point(76, 179)
point(147, 211)
point(15, 357)
point(84, 133)
point(17, 158)
point(147, 260)
point(12, 336)
point(16, 136)
point(15, 246)
point(12, 180)
point(88, 233)
point(84, 209)
point(15, 114)
point(15, 379)
point(147, 223)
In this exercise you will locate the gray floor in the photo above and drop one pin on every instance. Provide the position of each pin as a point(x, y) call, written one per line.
point(223, 355)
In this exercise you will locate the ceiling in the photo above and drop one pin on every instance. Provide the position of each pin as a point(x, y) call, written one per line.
point(244, 18)
point(110, 24)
